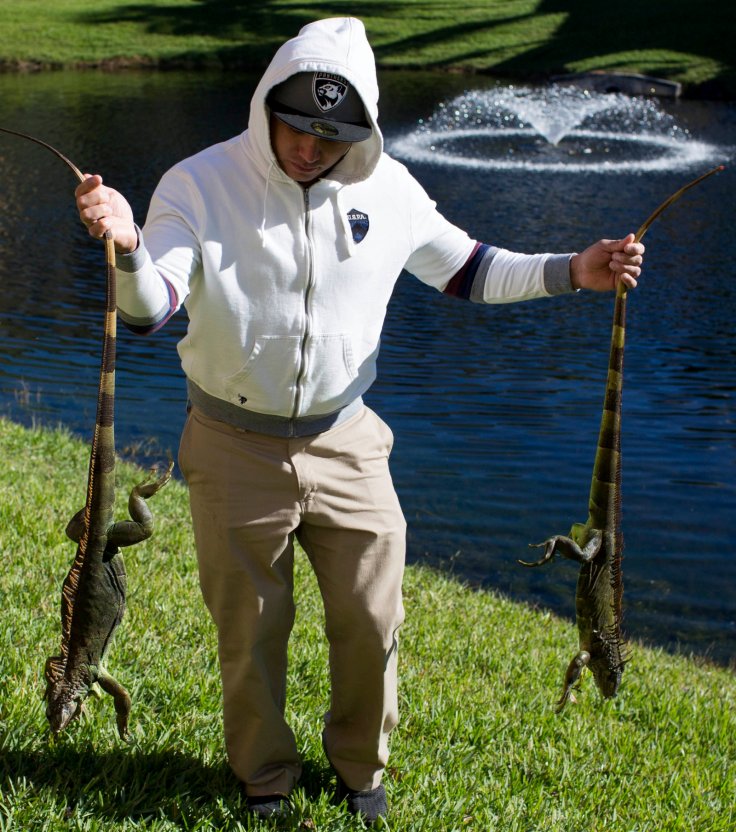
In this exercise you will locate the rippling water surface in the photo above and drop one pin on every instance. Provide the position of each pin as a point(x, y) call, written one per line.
point(495, 409)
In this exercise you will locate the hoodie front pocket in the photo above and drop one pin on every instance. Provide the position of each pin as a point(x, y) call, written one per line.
point(266, 383)
point(330, 377)
point(322, 368)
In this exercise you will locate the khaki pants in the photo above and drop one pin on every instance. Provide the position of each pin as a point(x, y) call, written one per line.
point(250, 496)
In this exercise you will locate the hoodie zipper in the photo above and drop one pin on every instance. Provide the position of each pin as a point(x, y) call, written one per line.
point(302, 367)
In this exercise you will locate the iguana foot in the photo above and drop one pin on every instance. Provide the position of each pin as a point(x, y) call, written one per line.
point(121, 697)
point(140, 526)
point(572, 677)
point(549, 552)
point(569, 547)
point(149, 487)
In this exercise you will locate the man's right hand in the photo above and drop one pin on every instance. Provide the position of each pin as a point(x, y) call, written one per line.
point(103, 209)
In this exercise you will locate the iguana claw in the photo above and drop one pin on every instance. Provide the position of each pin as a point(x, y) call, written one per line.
point(549, 553)
point(572, 677)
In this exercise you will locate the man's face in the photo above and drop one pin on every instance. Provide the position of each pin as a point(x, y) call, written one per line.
point(302, 156)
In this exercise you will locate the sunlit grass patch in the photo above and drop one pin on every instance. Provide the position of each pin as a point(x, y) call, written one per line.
point(519, 39)
point(479, 746)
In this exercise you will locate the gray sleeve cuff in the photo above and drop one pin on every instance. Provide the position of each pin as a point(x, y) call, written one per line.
point(133, 262)
point(557, 274)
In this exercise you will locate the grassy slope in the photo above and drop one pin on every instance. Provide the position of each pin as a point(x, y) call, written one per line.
point(479, 746)
point(676, 39)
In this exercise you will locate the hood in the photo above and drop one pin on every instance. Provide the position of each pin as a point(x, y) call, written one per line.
point(338, 46)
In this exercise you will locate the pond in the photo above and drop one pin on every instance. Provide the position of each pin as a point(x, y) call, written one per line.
point(495, 409)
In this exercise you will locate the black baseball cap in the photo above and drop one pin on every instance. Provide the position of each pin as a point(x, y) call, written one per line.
point(322, 104)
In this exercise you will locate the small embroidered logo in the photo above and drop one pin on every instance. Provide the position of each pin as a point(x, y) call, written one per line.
point(359, 224)
point(324, 129)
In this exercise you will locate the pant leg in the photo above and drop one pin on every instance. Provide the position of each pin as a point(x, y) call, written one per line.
point(354, 533)
point(244, 506)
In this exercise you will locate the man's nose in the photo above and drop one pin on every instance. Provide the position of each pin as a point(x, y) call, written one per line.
point(309, 148)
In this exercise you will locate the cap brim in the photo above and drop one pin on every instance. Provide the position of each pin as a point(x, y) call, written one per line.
point(336, 131)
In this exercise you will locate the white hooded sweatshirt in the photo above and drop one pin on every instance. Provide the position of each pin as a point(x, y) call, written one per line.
point(286, 286)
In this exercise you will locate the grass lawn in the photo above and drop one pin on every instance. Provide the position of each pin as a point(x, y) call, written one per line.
point(479, 746)
point(531, 39)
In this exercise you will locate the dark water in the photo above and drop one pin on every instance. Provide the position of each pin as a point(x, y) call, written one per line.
point(495, 409)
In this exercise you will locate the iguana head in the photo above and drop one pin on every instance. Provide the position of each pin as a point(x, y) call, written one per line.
point(63, 704)
point(606, 678)
point(61, 708)
point(607, 664)
point(60, 714)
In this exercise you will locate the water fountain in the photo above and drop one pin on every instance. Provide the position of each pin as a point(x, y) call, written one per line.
point(555, 128)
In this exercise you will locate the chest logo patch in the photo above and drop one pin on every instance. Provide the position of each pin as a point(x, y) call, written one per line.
point(359, 224)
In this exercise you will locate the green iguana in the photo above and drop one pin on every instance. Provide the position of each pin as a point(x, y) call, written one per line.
point(598, 543)
point(93, 593)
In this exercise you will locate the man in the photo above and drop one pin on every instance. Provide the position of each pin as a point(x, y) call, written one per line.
point(284, 244)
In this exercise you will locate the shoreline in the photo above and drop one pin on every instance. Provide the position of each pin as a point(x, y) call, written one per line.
point(711, 90)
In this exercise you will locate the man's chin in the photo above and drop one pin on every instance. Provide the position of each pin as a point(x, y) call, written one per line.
point(303, 175)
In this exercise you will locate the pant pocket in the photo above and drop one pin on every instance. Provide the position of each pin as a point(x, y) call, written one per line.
point(184, 444)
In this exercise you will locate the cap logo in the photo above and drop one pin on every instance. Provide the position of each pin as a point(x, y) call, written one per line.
point(324, 129)
point(328, 91)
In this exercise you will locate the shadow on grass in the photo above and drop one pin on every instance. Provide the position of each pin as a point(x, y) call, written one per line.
point(256, 30)
point(677, 28)
point(136, 784)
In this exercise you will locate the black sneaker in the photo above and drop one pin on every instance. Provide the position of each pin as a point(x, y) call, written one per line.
point(370, 804)
point(267, 805)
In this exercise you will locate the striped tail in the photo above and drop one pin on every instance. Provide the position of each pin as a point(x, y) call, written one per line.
point(100, 483)
point(604, 503)
point(605, 491)
point(99, 504)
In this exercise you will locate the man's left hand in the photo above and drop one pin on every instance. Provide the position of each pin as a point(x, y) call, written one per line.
point(601, 266)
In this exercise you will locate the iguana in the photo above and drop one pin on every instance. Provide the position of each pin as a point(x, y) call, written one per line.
point(598, 543)
point(93, 593)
